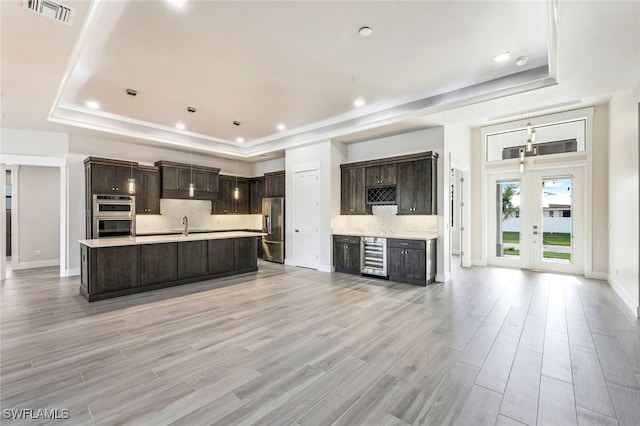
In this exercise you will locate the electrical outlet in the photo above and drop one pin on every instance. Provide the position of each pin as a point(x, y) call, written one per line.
point(37, 252)
point(617, 273)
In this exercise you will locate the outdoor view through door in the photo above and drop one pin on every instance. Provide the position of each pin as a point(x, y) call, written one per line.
point(552, 224)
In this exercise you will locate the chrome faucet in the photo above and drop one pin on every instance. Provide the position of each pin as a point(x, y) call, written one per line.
point(185, 222)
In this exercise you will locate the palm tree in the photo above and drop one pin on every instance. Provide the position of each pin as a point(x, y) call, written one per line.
point(508, 209)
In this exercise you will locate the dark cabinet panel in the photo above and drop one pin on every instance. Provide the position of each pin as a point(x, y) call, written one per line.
point(220, 256)
point(200, 180)
point(110, 179)
point(116, 268)
point(245, 253)
point(192, 259)
point(415, 265)
point(176, 178)
point(407, 261)
point(256, 194)
point(185, 176)
point(227, 204)
point(147, 191)
point(275, 184)
point(212, 182)
point(395, 263)
point(417, 187)
point(346, 254)
point(383, 175)
point(352, 191)
point(170, 179)
point(158, 263)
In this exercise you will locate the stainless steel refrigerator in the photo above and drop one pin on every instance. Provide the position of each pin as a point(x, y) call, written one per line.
point(273, 227)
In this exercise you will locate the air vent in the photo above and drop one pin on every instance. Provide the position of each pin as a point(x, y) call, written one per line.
point(381, 195)
point(50, 9)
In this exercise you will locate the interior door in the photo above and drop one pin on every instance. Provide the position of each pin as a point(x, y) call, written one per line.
point(537, 220)
point(305, 236)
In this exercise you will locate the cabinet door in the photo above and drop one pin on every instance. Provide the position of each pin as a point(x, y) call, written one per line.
point(225, 202)
point(422, 188)
point(242, 203)
point(141, 192)
point(158, 263)
point(353, 258)
point(245, 253)
point(396, 262)
point(192, 259)
point(122, 175)
point(212, 182)
point(372, 175)
point(220, 256)
point(358, 193)
point(102, 179)
point(117, 268)
point(256, 194)
point(275, 185)
point(406, 187)
point(339, 255)
point(184, 179)
point(170, 178)
point(415, 265)
point(200, 179)
point(152, 192)
point(388, 174)
point(345, 192)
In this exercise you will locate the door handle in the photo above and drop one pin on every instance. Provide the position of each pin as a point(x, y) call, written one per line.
point(297, 230)
point(535, 232)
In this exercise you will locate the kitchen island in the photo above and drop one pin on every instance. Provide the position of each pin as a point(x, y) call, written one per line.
point(112, 267)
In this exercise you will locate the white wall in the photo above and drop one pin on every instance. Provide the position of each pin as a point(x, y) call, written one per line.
point(262, 167)
point(478, 234)
point(623, 196)
point(26, 142)
point(403, 144)
point(319, 153)
point(37, 215)
point(600, 192)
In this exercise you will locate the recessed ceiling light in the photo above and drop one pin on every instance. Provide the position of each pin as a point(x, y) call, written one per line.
point(177, 3)
point(365, 31)
point(521, 61)
point(180, 126)
point(502, 57)
point(281, 127)
point(239, 140)
point(358, 102)
point(93, 105)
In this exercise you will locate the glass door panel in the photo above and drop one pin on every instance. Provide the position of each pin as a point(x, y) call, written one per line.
point(508, 219)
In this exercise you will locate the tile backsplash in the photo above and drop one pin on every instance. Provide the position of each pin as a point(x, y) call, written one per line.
point(200, 217)
point(385, 222)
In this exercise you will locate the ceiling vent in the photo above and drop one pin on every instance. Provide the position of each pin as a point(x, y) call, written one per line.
point(50, 9)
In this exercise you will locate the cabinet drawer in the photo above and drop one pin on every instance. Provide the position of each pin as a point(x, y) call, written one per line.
point(346, 239)
point(409, 244)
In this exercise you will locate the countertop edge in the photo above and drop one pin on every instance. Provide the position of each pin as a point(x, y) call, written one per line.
point(398, 237)
point(159, 239)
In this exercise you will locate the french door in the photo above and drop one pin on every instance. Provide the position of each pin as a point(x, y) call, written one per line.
point(537, 220)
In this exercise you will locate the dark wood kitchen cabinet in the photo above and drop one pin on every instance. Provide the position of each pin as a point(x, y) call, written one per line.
point(116, 268)
point(274, 184)
point(192, 259)
point(382, 175)
point(220, 256)
point(245, 253)
point(411, 261)
point(256, 194)
point(226, 203)
point(352, 191)
point(346, 254)
point(147, 190)
point(158, 263)
point(417, 187)
point(176, 178)
point(106, 176)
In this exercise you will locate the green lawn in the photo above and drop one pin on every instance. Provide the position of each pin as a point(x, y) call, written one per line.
point(554, 255)
point(549, 238)
point(510, 251)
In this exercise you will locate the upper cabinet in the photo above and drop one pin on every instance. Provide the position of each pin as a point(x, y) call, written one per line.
point(176, 178)
point(107, 176)
point(407, 181)
point(352, 191)
point(417, 187)
point(147, 190)
point(274, 184)
point(256, 194)
point(227, 203)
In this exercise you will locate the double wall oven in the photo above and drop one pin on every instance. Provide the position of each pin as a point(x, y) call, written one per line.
point(114, 216)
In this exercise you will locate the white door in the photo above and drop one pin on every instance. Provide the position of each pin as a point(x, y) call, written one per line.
point(537, 220)
point(306, 218)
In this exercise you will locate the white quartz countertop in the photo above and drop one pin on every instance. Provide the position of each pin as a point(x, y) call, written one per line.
point(158, 239)
point(420, 237)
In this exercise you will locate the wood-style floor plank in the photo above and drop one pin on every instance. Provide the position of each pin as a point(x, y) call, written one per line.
point(292, 346)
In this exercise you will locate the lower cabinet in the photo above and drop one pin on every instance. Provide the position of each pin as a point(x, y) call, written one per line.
point(245, 253)
point(220, 256)
point(346, 254)
point(411, 261)
point(192, 259)
point(158, 263)
point(116, 268)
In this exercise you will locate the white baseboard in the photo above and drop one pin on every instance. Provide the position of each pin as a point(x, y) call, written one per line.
point(477, 262)
point(597, 275)
point(443, 278)
point(289, 262)
point(72, 272)
point(626, 297)
point(325, 268)
point(36, 264)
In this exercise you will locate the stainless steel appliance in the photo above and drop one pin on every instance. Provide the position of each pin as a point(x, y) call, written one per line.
point(373, 256)
point(113, 216)
point(273, 227)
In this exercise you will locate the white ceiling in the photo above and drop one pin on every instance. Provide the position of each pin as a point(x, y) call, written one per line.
point(303, 63)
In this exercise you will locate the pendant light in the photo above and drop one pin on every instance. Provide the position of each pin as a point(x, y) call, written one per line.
point(192, 186)
point(131, 182)
point(236, 191)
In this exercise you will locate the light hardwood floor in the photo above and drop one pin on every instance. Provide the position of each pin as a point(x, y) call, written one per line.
point(290, 346)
